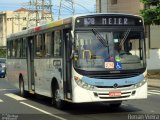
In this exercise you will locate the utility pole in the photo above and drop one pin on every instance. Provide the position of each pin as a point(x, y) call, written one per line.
point(36, 10)
point(43, 9)
point(60, 8)
point(39, 11)
point(68, 5)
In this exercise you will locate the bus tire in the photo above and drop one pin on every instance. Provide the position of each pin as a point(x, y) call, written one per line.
point(21, 87)
point(56, 101)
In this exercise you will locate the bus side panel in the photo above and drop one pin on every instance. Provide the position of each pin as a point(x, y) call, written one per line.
point(15, 67)
point(45, 71)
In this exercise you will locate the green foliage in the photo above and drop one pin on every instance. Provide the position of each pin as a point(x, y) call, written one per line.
point(151, 14)
point(2, 53)
point(151, 2)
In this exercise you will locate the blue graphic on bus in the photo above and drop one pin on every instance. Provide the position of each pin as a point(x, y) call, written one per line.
point(118, 66)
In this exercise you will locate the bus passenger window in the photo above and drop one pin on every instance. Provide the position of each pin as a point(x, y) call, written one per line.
point(48, 44)
point(14, 50)
point(57, 44)
point(24, 48)
point(8, 49)
point(18, 51)
point(40, 45)
point(11, 48)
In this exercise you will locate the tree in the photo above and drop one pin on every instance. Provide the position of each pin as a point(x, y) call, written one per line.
point(151, 12)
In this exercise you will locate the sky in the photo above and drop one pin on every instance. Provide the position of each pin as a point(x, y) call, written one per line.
point(81, 6)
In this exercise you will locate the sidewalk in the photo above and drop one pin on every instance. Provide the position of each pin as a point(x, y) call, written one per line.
point(154, 83)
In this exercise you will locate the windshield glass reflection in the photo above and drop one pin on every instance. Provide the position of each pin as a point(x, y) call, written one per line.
point(109, 50)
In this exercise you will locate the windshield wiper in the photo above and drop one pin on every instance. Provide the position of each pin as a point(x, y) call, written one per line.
point(125, 36)
point(100, 38)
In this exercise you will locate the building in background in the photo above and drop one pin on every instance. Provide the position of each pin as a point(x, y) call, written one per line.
point(134, 7)
point(15, 21)
point(2, 28)
point(120, 6)
point(11, 22)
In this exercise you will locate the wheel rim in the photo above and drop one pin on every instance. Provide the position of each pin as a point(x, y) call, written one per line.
point(57, 96)
point(21, 88)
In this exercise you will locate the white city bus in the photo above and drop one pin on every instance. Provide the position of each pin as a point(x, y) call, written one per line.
point(86, 58)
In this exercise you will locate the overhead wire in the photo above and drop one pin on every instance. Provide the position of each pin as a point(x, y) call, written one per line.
point(80, 7)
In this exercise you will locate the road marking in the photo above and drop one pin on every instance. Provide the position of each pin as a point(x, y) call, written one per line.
point(16, 97)
point(7, 89)
point(1, 100)
point(43, 111)
point(154, 93)
point(3, 89)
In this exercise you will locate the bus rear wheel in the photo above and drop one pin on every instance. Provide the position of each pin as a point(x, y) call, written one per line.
point(23, 93)
point(21, 86)
point(56, 100)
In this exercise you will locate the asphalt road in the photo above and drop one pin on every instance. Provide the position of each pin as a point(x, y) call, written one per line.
point(13, 107)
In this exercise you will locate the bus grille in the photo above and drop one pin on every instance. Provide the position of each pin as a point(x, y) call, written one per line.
point(113, 97)
point(113, 75)
point(106, 95)
point(123, 86)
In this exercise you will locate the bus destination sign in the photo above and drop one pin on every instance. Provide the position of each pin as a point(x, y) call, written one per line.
point(107, 21)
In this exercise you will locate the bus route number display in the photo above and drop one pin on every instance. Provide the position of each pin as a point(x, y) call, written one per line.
point(107, 21)
point(109, 65)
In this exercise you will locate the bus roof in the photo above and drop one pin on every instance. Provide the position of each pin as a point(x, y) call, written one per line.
point(61, 22)
point(75, 16)
point(42, 27)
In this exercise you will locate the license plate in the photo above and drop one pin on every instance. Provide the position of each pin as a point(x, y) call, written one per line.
point(115, 94)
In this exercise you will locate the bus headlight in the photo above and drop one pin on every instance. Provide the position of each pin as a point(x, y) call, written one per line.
point(140, 84)
point(83, 84)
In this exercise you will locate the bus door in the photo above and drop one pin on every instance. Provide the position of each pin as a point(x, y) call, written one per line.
point(67, 63)
point(30, 64)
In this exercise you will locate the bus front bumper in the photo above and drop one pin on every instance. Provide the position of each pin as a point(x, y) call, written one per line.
point(81, 95)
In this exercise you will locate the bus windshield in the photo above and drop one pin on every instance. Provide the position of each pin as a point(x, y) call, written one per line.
point(119, 49)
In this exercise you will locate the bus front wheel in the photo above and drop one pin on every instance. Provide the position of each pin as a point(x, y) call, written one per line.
point(56, 100)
